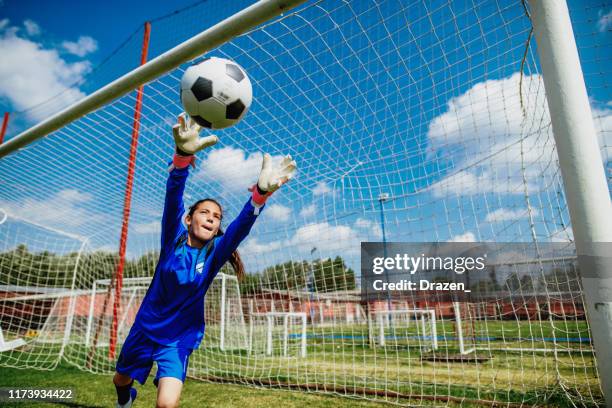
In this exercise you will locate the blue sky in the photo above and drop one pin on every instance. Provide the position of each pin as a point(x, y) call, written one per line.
point(109, 23)
point(385, 97)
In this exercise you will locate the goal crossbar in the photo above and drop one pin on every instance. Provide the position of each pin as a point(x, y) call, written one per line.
point(214, 36)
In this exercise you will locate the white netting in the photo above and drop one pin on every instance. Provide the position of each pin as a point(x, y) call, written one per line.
point(410, 117)
point(38, 266)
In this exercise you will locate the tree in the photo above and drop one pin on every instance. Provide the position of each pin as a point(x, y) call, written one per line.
point(332, 275)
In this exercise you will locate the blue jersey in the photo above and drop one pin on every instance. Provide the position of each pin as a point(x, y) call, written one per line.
point(172, 311)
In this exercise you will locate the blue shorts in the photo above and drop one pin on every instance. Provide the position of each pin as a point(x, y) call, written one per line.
point(139, 352)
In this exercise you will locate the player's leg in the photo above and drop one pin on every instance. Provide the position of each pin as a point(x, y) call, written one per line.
point(169, 392)
point(121, 380)
point(134, 363)
point(171, 372)
point(125, 393)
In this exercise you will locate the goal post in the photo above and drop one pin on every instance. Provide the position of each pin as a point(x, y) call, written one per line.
point(269, 321)
point(399, 322)
point(223, 310)
point(583, 173)
point(463, 328)
point(6, 345)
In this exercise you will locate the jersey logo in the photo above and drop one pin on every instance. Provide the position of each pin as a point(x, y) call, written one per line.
point(199, 267)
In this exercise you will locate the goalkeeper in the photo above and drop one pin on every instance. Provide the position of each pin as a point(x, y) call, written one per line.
point(170, 322)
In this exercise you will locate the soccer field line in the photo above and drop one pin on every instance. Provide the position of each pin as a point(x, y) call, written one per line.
point(448, 338)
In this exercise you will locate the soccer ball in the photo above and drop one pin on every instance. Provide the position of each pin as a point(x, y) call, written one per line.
point(216, 93)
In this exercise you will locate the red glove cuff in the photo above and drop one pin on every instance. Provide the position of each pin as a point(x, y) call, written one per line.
point(259, 197)
point(180, 162)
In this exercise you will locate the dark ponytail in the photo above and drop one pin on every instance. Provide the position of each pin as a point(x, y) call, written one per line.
point(234, 259)
point(237, 265)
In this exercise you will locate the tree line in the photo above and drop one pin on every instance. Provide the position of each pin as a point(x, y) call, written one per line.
point(23, 267)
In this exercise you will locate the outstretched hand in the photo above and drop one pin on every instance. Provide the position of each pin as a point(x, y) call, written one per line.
point(187, 137)
point(271, 178)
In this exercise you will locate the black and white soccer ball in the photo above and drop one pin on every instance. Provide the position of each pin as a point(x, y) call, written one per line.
point(216, 93)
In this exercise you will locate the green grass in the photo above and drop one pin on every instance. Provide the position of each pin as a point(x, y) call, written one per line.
point(93, 390)
point(341, 356)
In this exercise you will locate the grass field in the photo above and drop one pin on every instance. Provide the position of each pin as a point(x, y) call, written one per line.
point(339, 359)
point(92, 391)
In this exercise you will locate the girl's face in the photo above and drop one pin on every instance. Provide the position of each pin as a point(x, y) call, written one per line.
point(205, 221)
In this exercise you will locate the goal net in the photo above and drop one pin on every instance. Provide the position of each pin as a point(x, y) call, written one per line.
point(410, 121)
point(38, 267)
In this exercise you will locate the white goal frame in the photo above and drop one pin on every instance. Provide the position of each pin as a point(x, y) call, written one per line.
point(463, 349)
point(95, 291)
point(270, 329)
point(385, 317)
point(11, 344)
point(224, 318)
point(239, 23)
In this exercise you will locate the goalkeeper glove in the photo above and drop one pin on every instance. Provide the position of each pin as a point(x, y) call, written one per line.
point(188, 141)
point(270, 178)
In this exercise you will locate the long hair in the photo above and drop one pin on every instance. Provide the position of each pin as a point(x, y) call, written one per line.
point(234, 259)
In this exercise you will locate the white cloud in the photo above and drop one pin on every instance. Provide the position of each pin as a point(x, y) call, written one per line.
point(107, 248)
point(321, 188)
point(233, 168)
point(31, 27)
point(563, 235)
point(605, 21)
point(153, 227)
point(4, 23)
point(66, 208)
point(278, 212)
point(308, 211)
point(369, 227)
point(331, 238)
point(324, 235)
point(603, 126)
point(83, 46)
point(490, 141)
point(486, 115)
point(465, 183)
point(467, 237)
point(252, 246)
point(508, 214)
point(31, 74)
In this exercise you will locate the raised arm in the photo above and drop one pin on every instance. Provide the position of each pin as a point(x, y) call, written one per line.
point(235, 233)
point(270, 180)
point(174, 208)
point(188, 142)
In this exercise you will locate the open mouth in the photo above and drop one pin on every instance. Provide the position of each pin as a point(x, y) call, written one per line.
point(207, 228)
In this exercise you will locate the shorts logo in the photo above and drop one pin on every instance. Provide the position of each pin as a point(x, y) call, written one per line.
point(199, 267)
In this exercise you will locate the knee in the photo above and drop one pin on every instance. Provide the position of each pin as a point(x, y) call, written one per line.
point(167, 403)
point(121, 380)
